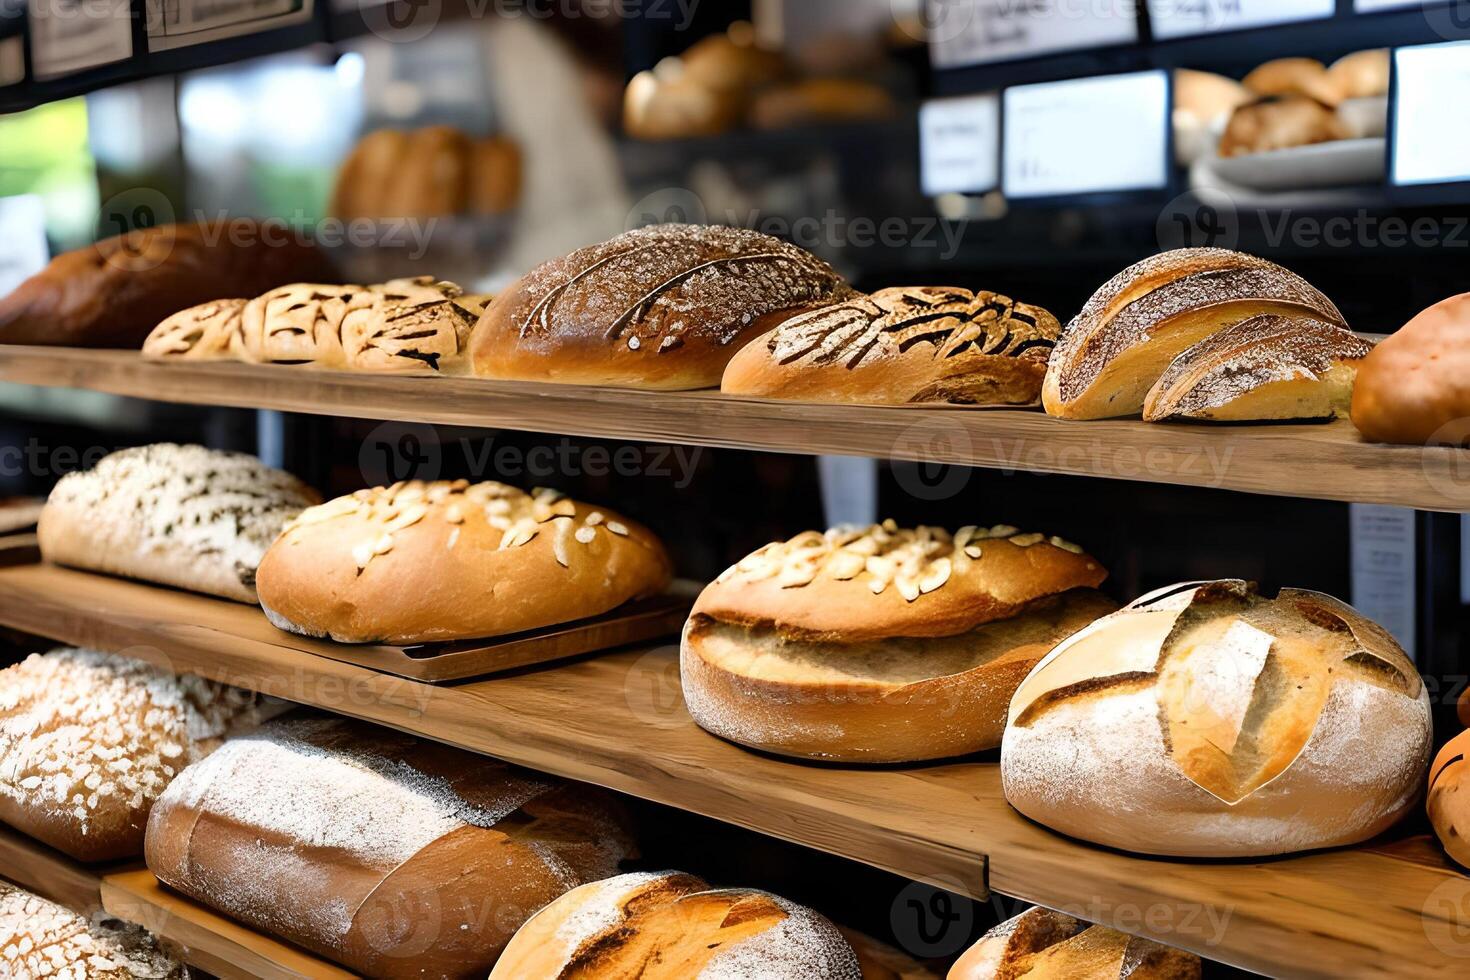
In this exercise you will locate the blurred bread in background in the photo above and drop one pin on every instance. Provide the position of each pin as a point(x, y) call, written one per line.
point(432, 172)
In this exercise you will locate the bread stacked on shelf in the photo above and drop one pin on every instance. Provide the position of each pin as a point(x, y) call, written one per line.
point(39, 938)
point(1415, 386)
point(1203, 102)
point(406, 326)
point(184, 516)
point(903, 346)
point(1040, 944)
point(1301, 101)
point(881, 644)
point(432, 172)
point(1205, 720)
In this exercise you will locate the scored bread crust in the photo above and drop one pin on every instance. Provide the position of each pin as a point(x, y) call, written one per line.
point(1040, 944)
point(661, 307)
point(1413, 388)
point(903, 346)
point(1448, 803)
point(426, 562)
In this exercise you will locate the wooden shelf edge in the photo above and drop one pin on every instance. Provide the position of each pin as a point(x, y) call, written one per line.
point(47, 872)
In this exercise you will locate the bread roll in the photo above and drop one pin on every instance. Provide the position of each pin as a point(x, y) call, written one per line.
point(879, 644)
point(1206, 96)
point(1279, 124)
point(660, 307)
point(113, 293)
point(394, 857)
point(1208, 721)
point(432, 172)
point(426, 562)
point(1267, 367)
point(1040, 944)
point(89, 740)
point(732, 61)
point(813, 101)
point(370, 168)
point(669, 103)
point(1132, 328)
point(1412, 389)
point(432, 178)
point(495, 176)
point(39, 938)
point(903, 346)
point(1449, 798)
point(185, 516)
point(1295, 76)
point(1362, 74)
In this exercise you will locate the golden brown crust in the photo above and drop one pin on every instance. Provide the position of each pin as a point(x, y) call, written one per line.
point(1040, 944)
point(1279, 124)
point(1362, 74)
point(1449, 798)
point(1412, 389)
point(1294, 76)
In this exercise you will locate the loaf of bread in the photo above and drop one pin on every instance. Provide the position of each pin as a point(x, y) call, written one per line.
point(1279, 124)
point(881, 644)
point(1040, 944)
point(1267, 367)
point(667, 102)
point(185, 516)
point(1209, 721)
point(661, 307)
point(1415, 386)
point(425, 562)
point(1295, 76)
point(89, 740)
point(39, 938)
point(1205, 96)
point(113, 293)
point(1362, 74)
point(406, 326)
point(433, 172)
point(733, 62)
point(1449, 798)
point(392, 856)
point(1132, 328)
point(903, 346)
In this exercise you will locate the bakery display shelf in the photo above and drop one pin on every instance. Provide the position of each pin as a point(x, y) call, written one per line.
point(49, 873)
point(1327, 461)
point(618, 720)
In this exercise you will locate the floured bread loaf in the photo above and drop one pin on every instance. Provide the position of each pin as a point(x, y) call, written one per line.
point(1208, 721)
point(673, 926)
point(1124, 339)
point(881, 644)
point(1449, 798)
point(1415, 386)
point(39, 938)
point(660, 307)
point(423, 562)
point(1040, 944)
point(903, 346)
point(406, 326)
point(1267, 367)
point(185, 516)
point(392, 856)
point(89, 740)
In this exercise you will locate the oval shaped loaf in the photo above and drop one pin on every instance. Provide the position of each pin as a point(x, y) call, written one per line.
point(39, 938)
point(1040, 944)
point(1449, 798)
point(426, 562)
point(1415, 386)
point(662, 307)
point(1208, 721)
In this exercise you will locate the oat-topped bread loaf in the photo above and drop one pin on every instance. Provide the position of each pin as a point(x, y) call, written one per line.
point(1206, 720)
point(393, 856)
point(39, 938)
point(1040, 944)
point(113, 293)
point(424, 562)
point(405, 326)
point(1114, 351)
point(903, 346)
point(660, 307)
point(89, 740)
point(881, 644)
point(185, 516)
point(1415, 386)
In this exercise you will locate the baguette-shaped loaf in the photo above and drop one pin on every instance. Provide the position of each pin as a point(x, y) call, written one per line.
point(185, 516)
point(1415, 386)
point(1040, 944)
point(1114, 351)
point(394, 857)
point(39, 938)
point(1449, 798)
point(903, 346)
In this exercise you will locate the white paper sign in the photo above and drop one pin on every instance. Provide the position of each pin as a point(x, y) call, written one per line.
point(1384, 568)
point(1087, 135)
point(971, 32)
point(1183, 18)
point(68, 36)
point(12, 61)
point(1373, 6)
point(23, 251)
point(1431, 140)
point(181, 23)
point(959, 145)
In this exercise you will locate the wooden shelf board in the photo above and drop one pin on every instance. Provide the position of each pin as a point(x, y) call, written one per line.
point(617, 720)
point(47, 872)
point(1324, 461)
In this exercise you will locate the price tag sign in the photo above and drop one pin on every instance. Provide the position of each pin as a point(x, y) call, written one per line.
point(959, 145)
point(70, 36)
point(973, 32)
point(1086, 136)
point(1185, 18)
point(181, 23)
point(1431, 143)
point(1382, 546)
point(12, 61)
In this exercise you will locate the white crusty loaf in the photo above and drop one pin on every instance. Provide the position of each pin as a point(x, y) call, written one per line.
point(1207, 721)
point(89, 740)
point(1040, 944)
point(39, 938)
point(185, 516)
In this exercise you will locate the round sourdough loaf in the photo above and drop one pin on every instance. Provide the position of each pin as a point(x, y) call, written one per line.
point(1040, 944)
point(881, 644)
point(39, 938)
point(426, 562)
point(1415, 386)
point(1207, 721)
point(661, 307)
point(1449, 798)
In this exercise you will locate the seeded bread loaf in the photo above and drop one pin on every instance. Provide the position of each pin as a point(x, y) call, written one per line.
point(185, 516)
point(1208, 721)
point(881, 644)
point(1449, 798)
point(423, 562)
point(661, 307)
point(1415, 386)
point(39, 938)
point(1040, 944)
point(392, 856)
point(903, 346)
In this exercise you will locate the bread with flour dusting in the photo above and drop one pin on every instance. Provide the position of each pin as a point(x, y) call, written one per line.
point(1206, 720)
point(185, 516)
point(1040, 944)
point(393, 856)
point(39, 938)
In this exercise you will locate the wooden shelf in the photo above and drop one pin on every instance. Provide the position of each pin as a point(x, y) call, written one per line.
point(617, 720)
point(1324, 461)
point(47, 872)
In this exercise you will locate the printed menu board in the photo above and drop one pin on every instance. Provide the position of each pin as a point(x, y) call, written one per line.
point(959, 144)
point(971, 32)
point(70, 36)
point(1185, 18)
point(181, 23)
